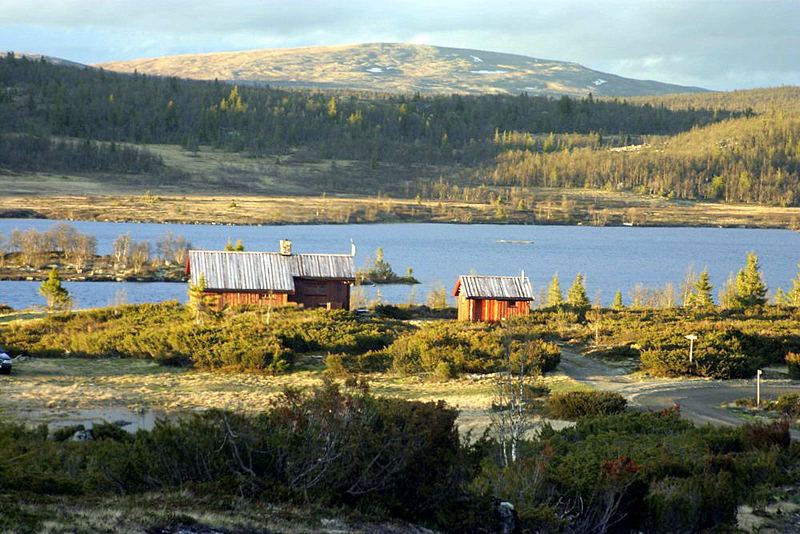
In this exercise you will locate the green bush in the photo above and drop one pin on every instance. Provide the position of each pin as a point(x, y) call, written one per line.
point(66, 432)
point(385, 457)
point(577, 404)
point(717, 355)
point(110, 431)
point(764, 435)
point(241, 338)
point(334, 366)
point(469, 348)
point(444, 372)
point(691, 504)
point(644, 471)
point(788, 404)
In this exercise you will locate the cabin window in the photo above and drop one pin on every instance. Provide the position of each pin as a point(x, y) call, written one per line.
point(512, 303)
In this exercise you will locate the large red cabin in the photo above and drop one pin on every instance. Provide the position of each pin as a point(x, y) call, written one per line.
point(492, 298)
point(276, 278)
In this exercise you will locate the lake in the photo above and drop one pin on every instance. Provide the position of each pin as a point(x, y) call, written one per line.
point(611, 258)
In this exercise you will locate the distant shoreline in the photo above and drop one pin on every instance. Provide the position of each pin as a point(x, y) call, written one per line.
point(584, 208)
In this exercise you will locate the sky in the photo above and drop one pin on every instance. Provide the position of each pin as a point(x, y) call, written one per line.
point(717, 44)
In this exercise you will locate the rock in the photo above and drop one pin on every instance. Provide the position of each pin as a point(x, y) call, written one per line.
point(509, 521)
point(82, 435)
point(333, 526)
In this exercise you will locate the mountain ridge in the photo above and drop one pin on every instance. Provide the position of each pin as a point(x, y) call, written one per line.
point(399, 68)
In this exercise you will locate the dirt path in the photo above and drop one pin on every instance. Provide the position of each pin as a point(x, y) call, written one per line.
point(700, 399)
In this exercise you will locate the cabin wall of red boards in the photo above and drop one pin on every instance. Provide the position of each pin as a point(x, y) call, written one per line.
point(333, 294)
point(490, 310)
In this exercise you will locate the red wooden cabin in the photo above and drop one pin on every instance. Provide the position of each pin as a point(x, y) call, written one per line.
point(277, 278)
point(492, 298)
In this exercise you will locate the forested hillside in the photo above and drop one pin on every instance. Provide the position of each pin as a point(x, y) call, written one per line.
point(730, 147)
point(755, 159)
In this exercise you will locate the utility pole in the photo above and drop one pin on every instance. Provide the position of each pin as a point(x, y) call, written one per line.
point(758, 388)
point(691, 338)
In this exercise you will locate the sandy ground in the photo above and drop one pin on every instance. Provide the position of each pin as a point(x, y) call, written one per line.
point(135, 393)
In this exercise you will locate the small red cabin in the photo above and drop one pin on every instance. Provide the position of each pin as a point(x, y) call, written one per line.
point(492, 298)
point(276, 278)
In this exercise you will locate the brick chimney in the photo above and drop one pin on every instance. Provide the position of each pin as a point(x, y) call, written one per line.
point(286, 247)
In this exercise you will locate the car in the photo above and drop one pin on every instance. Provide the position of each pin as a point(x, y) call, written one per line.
point(5, 363)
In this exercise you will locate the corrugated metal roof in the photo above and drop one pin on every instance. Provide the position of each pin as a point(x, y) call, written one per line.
point(495, 287)
point(265, 271)
point(337, 266)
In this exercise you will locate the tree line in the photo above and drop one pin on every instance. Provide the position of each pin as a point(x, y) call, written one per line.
point(32, 153)
point(745, 289)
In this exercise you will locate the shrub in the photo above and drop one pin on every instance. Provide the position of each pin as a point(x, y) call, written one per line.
point(788, 404)
point(469, 348)
point(691, 504)
point(110, 431)
point(764, 435)
point(577, 404)
point(793, 362)
point(334, 365)
point(66, 432)
point(444, 372)
point(166, 332)
point(717, 355)
point(640, 472)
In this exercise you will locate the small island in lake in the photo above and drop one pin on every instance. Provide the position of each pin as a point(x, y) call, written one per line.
point(31, 255)
point(380, 272)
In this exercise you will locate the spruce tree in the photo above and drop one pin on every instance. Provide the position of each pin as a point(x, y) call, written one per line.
point(703, 295)
point(727, 295)
point(57, 296)
point(750, 287)
point(793, 296)
point(554, 295)
point(617, 304)
point(200, 303)
point(238, 247)
point(780, 298)
point(576, 296)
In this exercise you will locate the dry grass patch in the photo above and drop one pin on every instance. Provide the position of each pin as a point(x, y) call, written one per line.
point(61, 391)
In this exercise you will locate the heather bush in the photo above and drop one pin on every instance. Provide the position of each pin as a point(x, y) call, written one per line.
point(576, 404)
point(690, 504)
point(344, 449)
point(636, 471)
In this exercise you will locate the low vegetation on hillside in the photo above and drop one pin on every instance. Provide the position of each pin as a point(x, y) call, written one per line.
point(406, 460)
point(171, 333)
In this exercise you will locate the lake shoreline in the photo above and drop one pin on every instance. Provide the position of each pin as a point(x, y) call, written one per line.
point(577, 208)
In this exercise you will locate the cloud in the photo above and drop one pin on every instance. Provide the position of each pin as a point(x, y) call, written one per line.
point(721, 44)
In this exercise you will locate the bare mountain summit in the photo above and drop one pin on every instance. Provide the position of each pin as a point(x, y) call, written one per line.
point(405, 68)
